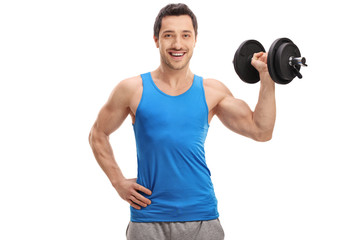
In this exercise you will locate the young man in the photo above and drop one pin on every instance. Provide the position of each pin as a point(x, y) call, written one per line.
point(171, 108)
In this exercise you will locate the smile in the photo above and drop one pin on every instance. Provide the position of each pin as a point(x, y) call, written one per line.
point(177, 55)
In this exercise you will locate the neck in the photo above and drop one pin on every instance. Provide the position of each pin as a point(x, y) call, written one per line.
point(173, 78)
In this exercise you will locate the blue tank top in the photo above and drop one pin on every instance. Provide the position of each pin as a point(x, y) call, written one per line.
point(170, 133)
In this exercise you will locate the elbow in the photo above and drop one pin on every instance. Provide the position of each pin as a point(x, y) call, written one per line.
point(92, 136)
point(96, 136)
point(89, 138)
point(263, 136)
point(264, 139)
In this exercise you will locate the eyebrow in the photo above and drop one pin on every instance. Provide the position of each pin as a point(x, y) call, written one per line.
point(171, 31)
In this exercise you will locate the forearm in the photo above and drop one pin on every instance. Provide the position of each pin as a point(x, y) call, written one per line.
point(265, 111)
point(103, 153)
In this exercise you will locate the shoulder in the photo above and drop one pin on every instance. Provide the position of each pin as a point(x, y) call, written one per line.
point(215, 93)
point(214, 85)
point(125, 89)
point(129, 84)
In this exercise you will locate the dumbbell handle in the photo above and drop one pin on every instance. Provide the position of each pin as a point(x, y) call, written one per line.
point(300, 61)
point(297, 61)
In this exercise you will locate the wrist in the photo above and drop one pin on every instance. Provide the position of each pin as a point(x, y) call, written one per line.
point(264, 74)
point(266, 78)
point(117, 182)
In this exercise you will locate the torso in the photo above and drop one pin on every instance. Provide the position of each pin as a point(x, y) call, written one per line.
point(212, 94)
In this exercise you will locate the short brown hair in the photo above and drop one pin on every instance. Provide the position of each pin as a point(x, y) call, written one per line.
point(174, 10)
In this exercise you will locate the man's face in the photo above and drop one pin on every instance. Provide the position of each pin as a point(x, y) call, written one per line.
point(176, 41)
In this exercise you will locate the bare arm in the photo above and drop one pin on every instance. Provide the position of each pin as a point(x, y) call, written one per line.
point(110, 118)
point(238, 117)
point(265, 110)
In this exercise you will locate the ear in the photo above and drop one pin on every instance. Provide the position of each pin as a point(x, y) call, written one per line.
point(156, 40)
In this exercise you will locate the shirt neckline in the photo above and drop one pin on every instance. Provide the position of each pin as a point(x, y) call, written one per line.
point(182, 94)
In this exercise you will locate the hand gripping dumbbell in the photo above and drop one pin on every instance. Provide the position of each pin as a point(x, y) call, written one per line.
point(284, 61)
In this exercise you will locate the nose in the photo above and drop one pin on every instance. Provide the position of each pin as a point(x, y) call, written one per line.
point(177, 43)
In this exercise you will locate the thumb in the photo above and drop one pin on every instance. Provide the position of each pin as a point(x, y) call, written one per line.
point(258, 65)
point(255, 62)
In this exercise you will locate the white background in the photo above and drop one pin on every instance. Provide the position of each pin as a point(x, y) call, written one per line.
point(59, 61)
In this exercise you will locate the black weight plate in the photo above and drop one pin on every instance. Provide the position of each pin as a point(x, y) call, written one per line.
point(271, 60)
point(284, 70)
point(242, 61)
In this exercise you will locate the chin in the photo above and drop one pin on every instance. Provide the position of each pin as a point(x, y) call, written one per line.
point(179, 65)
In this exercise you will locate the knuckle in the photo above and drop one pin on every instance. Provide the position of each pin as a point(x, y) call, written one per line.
point(134, 192)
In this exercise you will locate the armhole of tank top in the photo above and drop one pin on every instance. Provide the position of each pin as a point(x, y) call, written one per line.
point(204, 98)
point(141, 99)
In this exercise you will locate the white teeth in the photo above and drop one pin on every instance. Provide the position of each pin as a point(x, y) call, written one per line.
point(177, 54)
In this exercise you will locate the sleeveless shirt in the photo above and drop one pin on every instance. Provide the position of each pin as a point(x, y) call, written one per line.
point(170, 133)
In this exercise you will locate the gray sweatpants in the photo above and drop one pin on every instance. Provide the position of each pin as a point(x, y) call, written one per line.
point(195, 230)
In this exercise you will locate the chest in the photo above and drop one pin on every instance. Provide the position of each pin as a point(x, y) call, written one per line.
point(212, 97)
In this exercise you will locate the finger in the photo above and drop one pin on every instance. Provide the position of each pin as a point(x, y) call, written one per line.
point(134, 205)
point(263, 57)
point(254, 57)
point(258, 65)
point(258, 55)
point(143, 189)
point(141, 198)
point(137, 201)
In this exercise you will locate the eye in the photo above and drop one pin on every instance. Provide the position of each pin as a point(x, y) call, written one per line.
point(186, 35)
point(167, 35)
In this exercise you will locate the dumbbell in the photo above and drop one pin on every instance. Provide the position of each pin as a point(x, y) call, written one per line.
point(284, 61)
